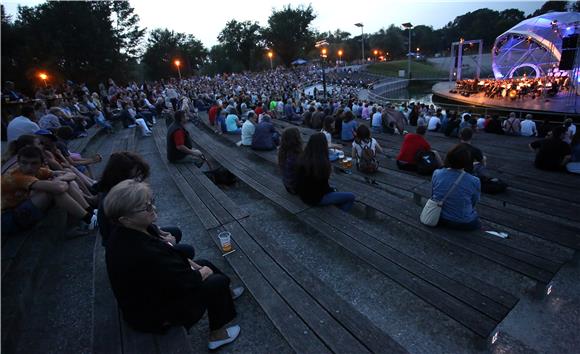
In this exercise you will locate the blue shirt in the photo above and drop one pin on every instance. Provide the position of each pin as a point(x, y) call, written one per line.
point(460, 204)
point(348, 129)
point(231, 125)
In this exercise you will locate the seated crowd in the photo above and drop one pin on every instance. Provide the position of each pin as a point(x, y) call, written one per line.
point(154, 276)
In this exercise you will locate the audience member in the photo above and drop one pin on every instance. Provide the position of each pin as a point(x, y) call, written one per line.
point(179, 143)
point(512, 126)
point(312, 174)
point(412, 145)
point(23, 124)
point(290, 150)
point(157, 286)
point(364, 151)
point(248, 129)
point(552, 153)
point(528, 126)
point(574, 165)
point(458, 210)
point(266, 137)
point(349, 126)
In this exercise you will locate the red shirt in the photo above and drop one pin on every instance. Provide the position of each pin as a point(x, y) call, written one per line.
point(179, 137)
point(212, 114)
point(412, 143)
point(259, 110)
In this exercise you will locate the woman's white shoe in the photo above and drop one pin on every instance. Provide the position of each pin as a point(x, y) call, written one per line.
point(233, 333)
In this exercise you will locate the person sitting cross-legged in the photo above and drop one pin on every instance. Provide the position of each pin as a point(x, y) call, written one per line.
point(155, 285)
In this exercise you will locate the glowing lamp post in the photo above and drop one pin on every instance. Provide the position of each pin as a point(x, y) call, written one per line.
point(178, 64)
point(43, 77)
point(323, 55)
point(375, 52)
point(362, 40)
point(270, 55)
point(339, 56)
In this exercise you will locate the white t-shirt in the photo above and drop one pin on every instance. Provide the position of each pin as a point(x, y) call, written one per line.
point(480, 123)
point(528, 128)
point(433, 123)
point(377, 120)
point(248, 130)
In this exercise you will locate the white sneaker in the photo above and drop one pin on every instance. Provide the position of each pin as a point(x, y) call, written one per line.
point(237, 292)
point(233, 333)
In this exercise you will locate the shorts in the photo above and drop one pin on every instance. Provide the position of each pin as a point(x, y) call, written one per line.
point(23, 217)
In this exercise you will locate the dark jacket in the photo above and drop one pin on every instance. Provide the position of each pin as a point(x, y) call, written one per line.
point(152, 281)
point(310, 189)
point(263, 138)
point(173, 154)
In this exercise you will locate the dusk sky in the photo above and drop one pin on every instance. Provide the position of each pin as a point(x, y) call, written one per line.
point(206, 18)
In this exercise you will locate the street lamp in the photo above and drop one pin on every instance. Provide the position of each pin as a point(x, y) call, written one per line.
point(270, 55)
point(43, 77)
point(323, 55)
point(339, 56)
point(362, 40)
point(375, 52)
point(177, 63)
point(408, 26)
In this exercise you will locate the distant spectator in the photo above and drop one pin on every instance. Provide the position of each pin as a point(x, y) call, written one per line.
point(528, 127)
point(512, 125)
point(290, 150)
point(570, 130)
point(494, 126)
point(349, 126)
point(574, 165)
point(50, 120)
point(364, 151)
point(458, 211)
point(552, 154)
point(265, 137)
point(434, 124)
point(248, 129)
point(412, 144)
point(233, 123)
point(377, 120)
point(481, 122)
point(312, 175)
point(23, 124)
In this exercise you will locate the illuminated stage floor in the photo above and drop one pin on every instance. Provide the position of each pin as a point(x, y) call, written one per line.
point(559, 104)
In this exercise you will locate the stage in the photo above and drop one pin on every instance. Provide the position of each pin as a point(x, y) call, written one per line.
point(556, 105)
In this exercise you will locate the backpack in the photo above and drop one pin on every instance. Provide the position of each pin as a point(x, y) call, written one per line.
point(367, 161)
point(426, 162)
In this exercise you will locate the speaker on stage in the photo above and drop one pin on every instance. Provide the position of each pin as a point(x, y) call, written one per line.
point(569, 46)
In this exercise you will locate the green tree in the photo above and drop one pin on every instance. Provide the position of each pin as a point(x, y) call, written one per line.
point(243, 42)
point(289, 33)
point(551, 5)
point(126, 27)
point(165, 46)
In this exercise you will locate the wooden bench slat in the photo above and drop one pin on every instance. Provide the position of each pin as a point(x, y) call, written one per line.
point(361, 327)
point(290, 325)
point(467, 316)
point(315, 316)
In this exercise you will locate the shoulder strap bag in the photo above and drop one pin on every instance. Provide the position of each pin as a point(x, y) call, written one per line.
point(432, 209)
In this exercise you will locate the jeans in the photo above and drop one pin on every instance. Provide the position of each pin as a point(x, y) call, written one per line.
point(344, 200)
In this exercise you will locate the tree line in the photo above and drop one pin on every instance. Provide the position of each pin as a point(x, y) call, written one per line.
point(93, 40)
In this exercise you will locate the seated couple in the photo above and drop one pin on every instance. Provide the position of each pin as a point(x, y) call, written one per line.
point(259, 136)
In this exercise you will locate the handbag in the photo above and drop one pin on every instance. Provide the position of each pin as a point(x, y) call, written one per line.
point(432, 209)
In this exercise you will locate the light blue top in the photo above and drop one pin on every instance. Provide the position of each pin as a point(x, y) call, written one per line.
point(460, 204)
point(248, 129)
point(348, 129)
point(231, 125)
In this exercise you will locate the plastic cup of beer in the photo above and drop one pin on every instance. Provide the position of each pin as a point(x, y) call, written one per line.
point(225, 238)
